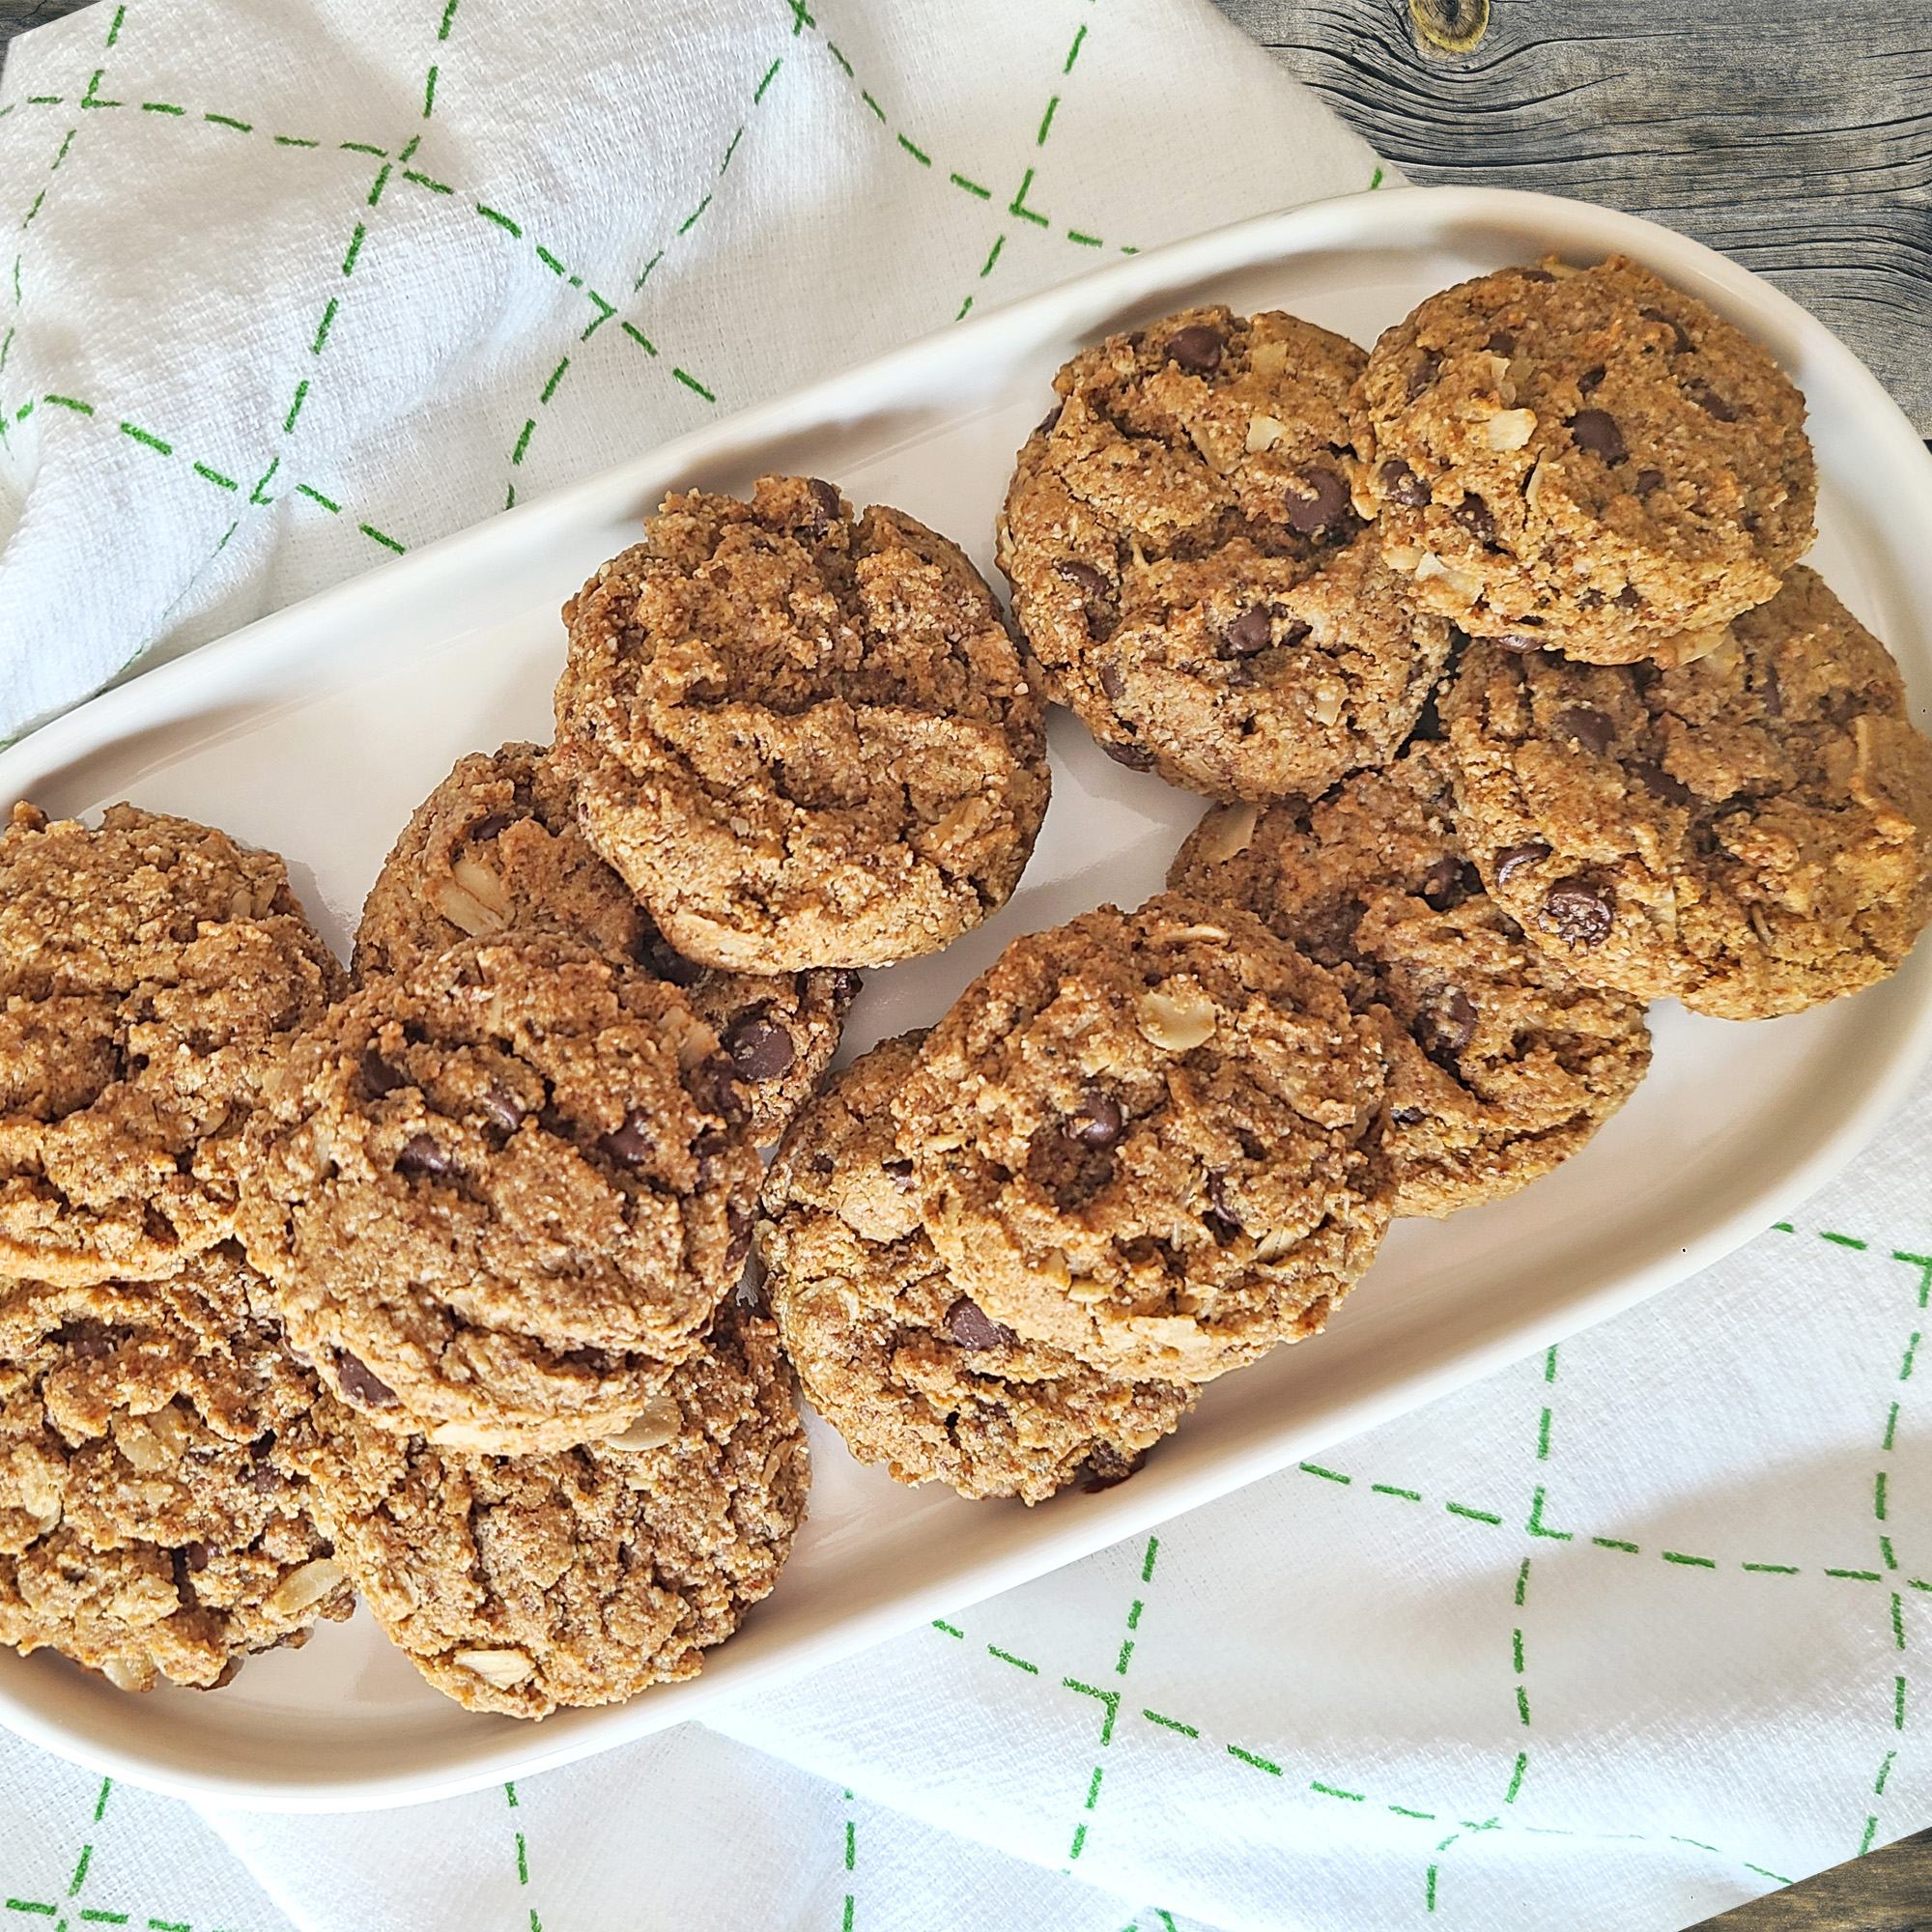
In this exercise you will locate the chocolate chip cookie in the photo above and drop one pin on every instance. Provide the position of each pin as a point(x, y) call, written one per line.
point(496, 848)
point(147, 972)
point(803, 738)
point(907, 1367)
point(1152, 1139)
point(521, 1584)
point(1751, 832)
point(498, 1198)
point(1186, 562)
point(150, 1525)
point(1503, 1064)
point(1589, 461)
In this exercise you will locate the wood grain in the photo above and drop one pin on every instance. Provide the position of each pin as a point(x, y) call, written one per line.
point(1891, 1891)
point(1795, 138)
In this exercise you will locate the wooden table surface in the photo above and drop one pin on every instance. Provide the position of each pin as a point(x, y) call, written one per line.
point(1796, 139)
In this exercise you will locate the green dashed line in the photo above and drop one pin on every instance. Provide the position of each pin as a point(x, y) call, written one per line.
point(423, 181)
point(216, 477)
point(354, 249)
point(555, 267)
point(731, 150)
point(90, 98)
point(1522, 1582)
point(1898, 1619)
point(31, 213)
point(690, 382)
point(160, 107)
point(382, 182)
point(66, 403)
point(1549, 1365)
point(1857, 1575)
point(1543, 1438)
point(1535, 1525)
point(322, 333)
point(1772, 1569)
point(998, 244)
point(684, 226)
point(1698, 1842)
point(1328, 1475)
point(1093, 1786)
point(1125, 1656)
point(841, 59)
point(1079, 1840)
point(647, 276)
point(1474, 1515)
point(1678, 1556)
point(429, 95)
point(1517, 1646)
point(1616, 1543)
point(1402, 1811)
point(1171, 1724)
point(296, 406)
point(1259, 1763)
point(316, 496)
point(1890, 1421)
point(1073, 52)
point(970, 187)
point(555, 376)
point(143, 436)
point(1783, 1228)
point(918, 154)
point(1146, 1562)
point(1516, 1777)
point(1884, 1550)
point(229, 121)
point(1389, 1489)
point(255, 494)
point(523, 1862)
point(448, 16)
point(522, 443)
point(1884, 1771)
point(79, 1877)
point(387, 542)
point(1017, 206)
point(43, 100)
point(946, 1627)
point(872, 103)
point(1842, 1240)
point(771, 74)
point(291, 141)
point(1762, 1873)
point(1047, 121)
point(1905, 1366)
point(1110, 1698)
point(1924, 1263)
point(606, 311)
point(1523, 1703)
point(1085, 241)
point(501, 220)
point(643, 342)
point(1018, 1662)
point(363, 148)
point(1134, 1614)
point(1376, 180)
point(1878, 1495)
point(107, 1918)
point(1329, 1791)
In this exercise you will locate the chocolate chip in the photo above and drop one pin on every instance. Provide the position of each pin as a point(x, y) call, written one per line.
point(1049, 419)
point(1536, 274)
point(629, 1143)
point(1423, 376)
point(1597, 430)
point(760, 1049)
point(1449, 882)
point(1105, 1467)
point(1097, 1124)
point(1113, 682)
point(827, 499)
point(1251, 631)
point(500, 1104)
point(1772, 693)
point(1648, 481)
point(1401, 485)
point(846, 983)
point(1136, 757)
point(1627, 599)
point(1518, 640)
point(823, 1163)
point(899, 1168)
point(1407, 1116)
point(1224, 1231)
point(262, 1478)
point(1217, 1193)
point(972, 1327)
point(90, 1341)
point(1084, 577)
point(1502, 343)
point(1594, 731)
point(420, 1154)
point(1659, 782)
point(1590, 380)
point(655, 951)
point(195, 1555)
point(1326, 498)
point(376, 1076)
point(1710, 402)
point(1474, 514)
point(714, 1086)
point(1456, 1026)
point(1197, 348)
point(1294, 632)
point(1684, 344)
point(360, 1383)
point(1591, 599)
point(738, 1224)
point(1580, 913)
point(1512, 859)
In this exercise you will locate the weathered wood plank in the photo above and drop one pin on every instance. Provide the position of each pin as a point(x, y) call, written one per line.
point(1797, 138)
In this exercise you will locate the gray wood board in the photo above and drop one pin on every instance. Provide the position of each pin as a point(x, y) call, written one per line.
point(1795, 138)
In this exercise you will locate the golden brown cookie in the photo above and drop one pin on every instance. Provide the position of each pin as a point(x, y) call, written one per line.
point(150, 1523)
point(521, 1584)
point(1152, 1139)
point(1588, 460)
point(910, 1370)
point(147, 972)
point(497, 1199)
point(1751, 832)
point(1502, 1062)
point(496, 848)
point(1186, 564)
point(804, 739)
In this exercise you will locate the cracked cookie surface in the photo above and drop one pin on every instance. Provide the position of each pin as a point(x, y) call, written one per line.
point(1751, 832)
point(1186, 563)
point(521, 1584)
point(1152, 1139)
point(496, 848)
point(497, 1199)
point(802, 738)
point(148, 971)
point(1586, 459)
point(150, 1525)
point(904, 1364)
point(1503, 1064)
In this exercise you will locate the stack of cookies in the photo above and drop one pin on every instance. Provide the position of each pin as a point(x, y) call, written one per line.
point(1516, 710)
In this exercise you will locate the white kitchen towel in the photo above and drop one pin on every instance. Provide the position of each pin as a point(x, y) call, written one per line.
point(1618, 1638)
point(288, 288)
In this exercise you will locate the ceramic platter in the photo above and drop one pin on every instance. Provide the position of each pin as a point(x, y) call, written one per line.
point(317, 731)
